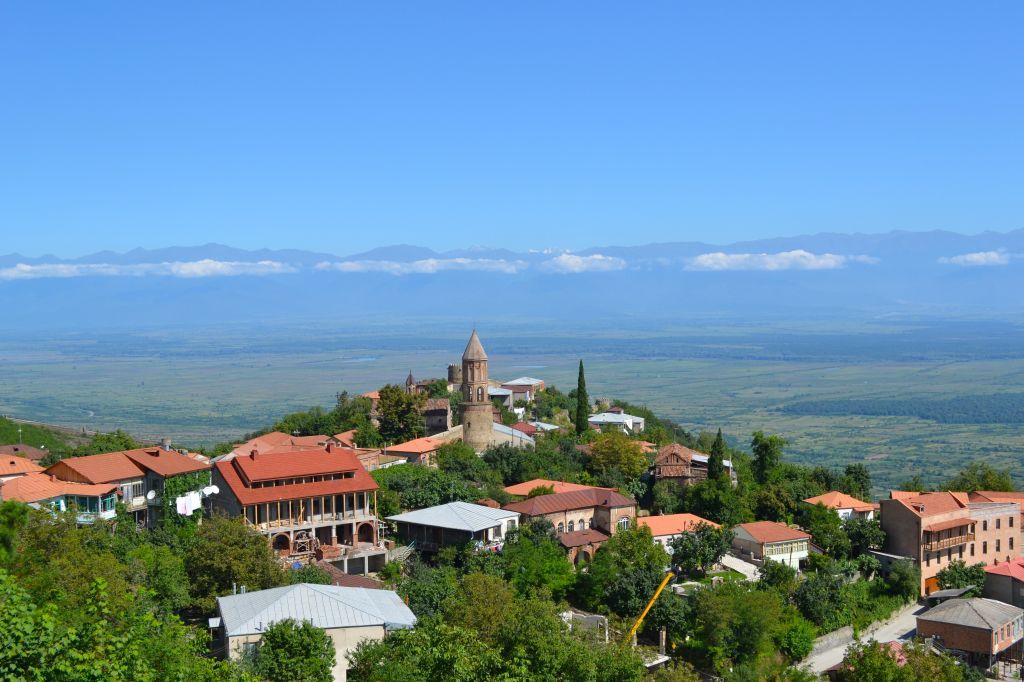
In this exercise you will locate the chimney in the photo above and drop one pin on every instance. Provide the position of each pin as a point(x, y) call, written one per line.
point(329, 447)
point(253, 453)
point(165, 444)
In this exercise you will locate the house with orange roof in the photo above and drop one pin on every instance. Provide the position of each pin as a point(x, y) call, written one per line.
point(1005, 582)
point(22, 450)
point(523, 489)
point(139, 475)
point(846, 506)
point(770, 540)
point(43, 491)
point(418, 451)
point(13, 467)
point(307, 502)
point(933, 529)
point(667, 527)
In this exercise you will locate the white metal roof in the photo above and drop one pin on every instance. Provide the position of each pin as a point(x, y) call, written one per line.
point(457, 516)
point(544, 426)
point(498, 391)
point(324, 606)
point(513, 433)
point(613, 418)
point(523, 381)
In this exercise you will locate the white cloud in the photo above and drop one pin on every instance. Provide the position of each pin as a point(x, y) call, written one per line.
point(784, 260)
point(979, 258)
point(427, 266)
point(188, 269)
point(568, 263)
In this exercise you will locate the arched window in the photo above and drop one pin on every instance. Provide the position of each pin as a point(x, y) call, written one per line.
point(561, 527)
point(591, 522)
point(469, 393)
point(480, 394)
point(624, 523)
point(582, 525)
point(572, 527)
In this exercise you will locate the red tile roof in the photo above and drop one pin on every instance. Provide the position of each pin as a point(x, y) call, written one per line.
point(770, 531)
point(528, 429)
point(22, 450)
point(418, 446)
point(296, 463)
point(1014, 569)
point(343, 579)
point(361, 481)
point(946, 525)
point(930, 504)
point(347, 438)
point(576, 499)
point(524, 488)
point(673, 524)
point(838, 500)
point(16, 466)
point(38, 486)
point(579, 538)
point(165, 462)
point(128, 464)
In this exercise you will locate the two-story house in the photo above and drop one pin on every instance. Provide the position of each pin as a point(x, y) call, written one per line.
point(933, 529)
point(675, 462)
point(583, 519)
point(305, 501)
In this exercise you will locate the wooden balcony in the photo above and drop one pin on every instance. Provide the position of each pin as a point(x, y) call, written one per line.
point(935, 545)
point(315, 521)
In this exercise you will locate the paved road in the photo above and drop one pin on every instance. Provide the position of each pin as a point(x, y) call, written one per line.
point(903, 627)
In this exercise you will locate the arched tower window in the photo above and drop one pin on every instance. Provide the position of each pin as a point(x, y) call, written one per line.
point(480, 394)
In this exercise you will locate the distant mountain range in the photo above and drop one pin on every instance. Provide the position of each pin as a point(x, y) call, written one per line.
point(826, 274)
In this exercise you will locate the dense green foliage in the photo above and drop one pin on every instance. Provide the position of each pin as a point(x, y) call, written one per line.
point(582, 403)
point(295, 652)
point(957, 574)
point(31, 434)
point(696, 552)
point(873, 662)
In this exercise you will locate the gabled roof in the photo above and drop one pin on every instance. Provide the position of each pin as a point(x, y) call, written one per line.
point(528, 429)
point(672, 456)
point(558, 486)
point(930, 504)
point(22, 450)
point(979, 612)
point(576, 499)
point(165, 462)
point(37, 487)
point(673, 524)
point(771, 531)
point(296, 463)
point(17, 466)
point(1013, 569)
point(347, 438)
point(325, 606)
point(418, 446)
point(837, 500)
point(104, 468)
point(579, 538)
point(456, 516)
point(997, 496)
point(523, 381)
point(474, 349)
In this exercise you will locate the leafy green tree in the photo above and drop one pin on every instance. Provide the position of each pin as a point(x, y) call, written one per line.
point(826, 529)
point(426, 589)
point(229, 554)
point(820, 599)
point(957, 574)
point(666, 497)
point(858, 480)
point(418, 487)
point(980, 476)
point(775, 575)
point(12, 517)
point(864, 534)
point(624, 573)
point(437, 389)
point(163, 572)
point(308, 574)
point(904, 580)
point(773, 502)
point(295, 652)
point(873, 662)
point(541, 490)
point(535, 560)
point(701, 548)
point(432, 652)
point(716, 460)
point(582, 403)
point(399, 414)
point(767, 454)
point(613, 451)
point(914, 484)
point(716, 501)
point(460, 461)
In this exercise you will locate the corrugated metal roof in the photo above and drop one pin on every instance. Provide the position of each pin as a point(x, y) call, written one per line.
point(457, 516)
point(978, 613)
point(324, 606)
point(523, 381)
point(509, 431)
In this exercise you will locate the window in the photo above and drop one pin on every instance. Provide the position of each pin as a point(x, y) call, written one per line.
point(984, 547)
point(984, 524)
point(927, 559)
point(480, 394)
point(582, 525)
point(1011, 522)
point(997, 544)
point(249, 650)
point(972, 549)
point(1011, 542)
point(591, 523)
point(961, 551)
point(624, 523)
point(999, 524)
point(572, 526)
point(561, 527)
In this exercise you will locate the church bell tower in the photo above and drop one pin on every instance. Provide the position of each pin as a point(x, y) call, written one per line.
point(475, 410)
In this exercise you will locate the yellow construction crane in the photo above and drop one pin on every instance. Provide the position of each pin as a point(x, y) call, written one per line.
point(673, 573)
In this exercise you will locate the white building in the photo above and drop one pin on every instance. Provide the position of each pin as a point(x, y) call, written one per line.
point(626, 423)
point(845, 505)
point(764, 540)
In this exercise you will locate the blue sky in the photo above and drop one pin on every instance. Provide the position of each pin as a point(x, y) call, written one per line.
point(334, 127)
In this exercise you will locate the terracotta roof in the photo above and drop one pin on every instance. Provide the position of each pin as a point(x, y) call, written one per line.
point(165, 462)
point(838, 500)
point(576, 499)
point(296, 463)
point(558, 486)
point(372, 395)
point(1014, 569)
point(347, 438)
point(16, 466)
point(474, 349)
point(22, 450)
point(488, 502)
point(343, 579)
point(104, 468)
point(770, 531)
point(578, 538)
point(528, 429)
point(36, 487)
point(437, 404)
point(673, 524)
point(930, 504)
point(418, 446)
point(996, 496)
point(361, 481)
point(946, 525)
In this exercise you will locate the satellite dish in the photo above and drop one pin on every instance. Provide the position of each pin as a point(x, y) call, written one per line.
point(151, 495)
point(210, 490)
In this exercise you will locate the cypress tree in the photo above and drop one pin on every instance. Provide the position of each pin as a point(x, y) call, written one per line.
point(582, 403)
point(716, 461)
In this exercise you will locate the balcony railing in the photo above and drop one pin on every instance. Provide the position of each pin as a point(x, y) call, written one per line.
point(315, 520)
point(949, 542)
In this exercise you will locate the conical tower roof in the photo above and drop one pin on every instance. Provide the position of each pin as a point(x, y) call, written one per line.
point(474, 349)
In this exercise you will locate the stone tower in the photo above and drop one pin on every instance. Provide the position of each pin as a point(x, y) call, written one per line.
point(476, 410)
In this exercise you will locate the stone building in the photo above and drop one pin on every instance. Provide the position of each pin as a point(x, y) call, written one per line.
point(475, 410)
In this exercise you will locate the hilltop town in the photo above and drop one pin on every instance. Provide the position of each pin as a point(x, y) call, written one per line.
point(468, 528)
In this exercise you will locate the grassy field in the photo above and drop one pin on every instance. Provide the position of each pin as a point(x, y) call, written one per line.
point(203, 386)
